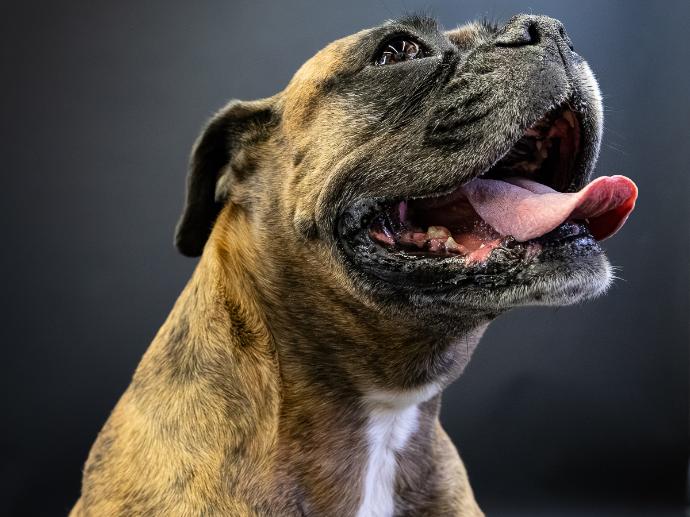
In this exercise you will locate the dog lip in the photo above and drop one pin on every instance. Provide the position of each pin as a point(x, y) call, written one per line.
point(506, 256)
point(571, 179)
point(554, 136)
point(553, 126)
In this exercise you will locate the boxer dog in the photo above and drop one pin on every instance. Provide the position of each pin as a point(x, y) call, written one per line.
point(358, 231)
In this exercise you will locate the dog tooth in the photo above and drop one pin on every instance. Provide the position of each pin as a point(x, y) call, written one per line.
point(409, 237)
point(419, 239)
point(527, 166)
point(451, 245)
point(437, 232)
point(539, 144)
point(570, 117)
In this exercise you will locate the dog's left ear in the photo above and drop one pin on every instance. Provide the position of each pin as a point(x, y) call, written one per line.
point(211, 172)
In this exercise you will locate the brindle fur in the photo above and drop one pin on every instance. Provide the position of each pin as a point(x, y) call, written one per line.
point(249, 400)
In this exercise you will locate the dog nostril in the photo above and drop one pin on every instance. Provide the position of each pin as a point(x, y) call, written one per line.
point(520, 32)
point(533, 33)
point(526, 30)
point(564, 36)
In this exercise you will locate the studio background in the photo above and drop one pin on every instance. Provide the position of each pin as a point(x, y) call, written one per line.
point(579, 410)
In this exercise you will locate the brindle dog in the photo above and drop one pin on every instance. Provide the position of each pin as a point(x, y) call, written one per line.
point(300, 371)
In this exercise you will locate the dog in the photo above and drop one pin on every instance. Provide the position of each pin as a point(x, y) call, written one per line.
point(358, 231)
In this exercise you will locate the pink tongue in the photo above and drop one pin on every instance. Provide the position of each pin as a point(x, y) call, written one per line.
point(526, 209)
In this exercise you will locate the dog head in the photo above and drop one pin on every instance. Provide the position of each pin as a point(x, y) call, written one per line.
point(381, 170)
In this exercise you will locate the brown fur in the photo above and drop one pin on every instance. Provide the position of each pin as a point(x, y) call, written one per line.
point(209, 425)
point(250, 399)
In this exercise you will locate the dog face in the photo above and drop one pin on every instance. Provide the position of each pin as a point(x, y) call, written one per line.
point(359, 169)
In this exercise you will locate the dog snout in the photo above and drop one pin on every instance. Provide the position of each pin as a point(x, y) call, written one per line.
point(524, 30)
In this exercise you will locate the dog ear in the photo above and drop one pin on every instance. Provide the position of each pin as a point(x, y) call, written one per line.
point(210, 172)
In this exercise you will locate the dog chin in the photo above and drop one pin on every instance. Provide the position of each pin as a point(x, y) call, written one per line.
point(566, 281)
point(563, 284)
point(563, 275)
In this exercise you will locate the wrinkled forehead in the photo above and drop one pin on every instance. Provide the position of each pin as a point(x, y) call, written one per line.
point(346, 56)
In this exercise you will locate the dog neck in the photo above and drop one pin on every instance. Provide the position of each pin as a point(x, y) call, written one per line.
point(326, 440)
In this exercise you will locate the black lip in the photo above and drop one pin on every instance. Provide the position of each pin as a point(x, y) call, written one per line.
point(432, 275)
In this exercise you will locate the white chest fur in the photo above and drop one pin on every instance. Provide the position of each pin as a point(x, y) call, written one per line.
point(393, 418)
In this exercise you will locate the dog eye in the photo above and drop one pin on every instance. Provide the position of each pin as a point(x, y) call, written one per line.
point(399, 50)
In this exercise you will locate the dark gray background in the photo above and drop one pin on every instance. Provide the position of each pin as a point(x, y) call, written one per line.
point(573, 408)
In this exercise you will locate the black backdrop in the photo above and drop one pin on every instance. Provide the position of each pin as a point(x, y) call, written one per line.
point(100, 104)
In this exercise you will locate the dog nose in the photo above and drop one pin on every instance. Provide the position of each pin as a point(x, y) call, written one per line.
point(524, 29)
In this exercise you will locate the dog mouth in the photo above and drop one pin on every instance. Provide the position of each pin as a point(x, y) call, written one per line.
point(522, 201)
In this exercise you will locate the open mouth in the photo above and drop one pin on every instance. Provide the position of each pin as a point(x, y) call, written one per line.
point(521, 198)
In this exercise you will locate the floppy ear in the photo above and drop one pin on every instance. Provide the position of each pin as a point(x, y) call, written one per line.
point(210, 171)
